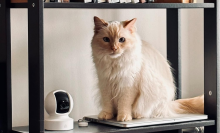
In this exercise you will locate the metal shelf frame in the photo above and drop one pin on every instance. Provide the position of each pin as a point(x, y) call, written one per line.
point(119, 5)
point(102, 128)
point(36, 60)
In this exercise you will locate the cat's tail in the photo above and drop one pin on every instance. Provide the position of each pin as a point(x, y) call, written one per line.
point(192, 105)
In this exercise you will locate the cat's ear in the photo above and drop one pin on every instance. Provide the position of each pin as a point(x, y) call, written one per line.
point(130, 25)
point(99, 23)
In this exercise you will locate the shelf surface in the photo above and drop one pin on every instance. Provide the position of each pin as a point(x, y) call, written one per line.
point(119, 5)
point(101, 128)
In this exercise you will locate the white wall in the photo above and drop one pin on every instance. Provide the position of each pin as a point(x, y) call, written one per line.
point(192, 53)
point(67, 53)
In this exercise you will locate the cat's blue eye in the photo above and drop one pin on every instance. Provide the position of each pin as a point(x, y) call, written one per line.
point(122, 39)
point(106, 39)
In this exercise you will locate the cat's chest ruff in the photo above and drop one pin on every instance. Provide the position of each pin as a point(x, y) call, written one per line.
point(119, 68)
point(119, 73)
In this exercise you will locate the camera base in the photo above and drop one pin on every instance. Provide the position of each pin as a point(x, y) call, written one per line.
point(59, 124)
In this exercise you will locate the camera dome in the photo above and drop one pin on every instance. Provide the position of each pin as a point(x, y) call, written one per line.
point(58, 102)
point(58, 105)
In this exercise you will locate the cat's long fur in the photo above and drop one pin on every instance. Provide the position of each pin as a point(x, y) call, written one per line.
point(134, 79)
point(192, 105)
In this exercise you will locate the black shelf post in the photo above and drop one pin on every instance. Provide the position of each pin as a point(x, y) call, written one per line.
point(5, 68)
point(36, 66)
point(212, 66)
point(174, 46)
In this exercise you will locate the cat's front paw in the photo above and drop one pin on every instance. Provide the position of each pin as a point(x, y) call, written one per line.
point(105, 115)
point(124, 117)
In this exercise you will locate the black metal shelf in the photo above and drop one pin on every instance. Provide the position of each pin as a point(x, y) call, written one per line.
point(36, 63)
point(18, 5)
point(120, 5)
point(101, 128)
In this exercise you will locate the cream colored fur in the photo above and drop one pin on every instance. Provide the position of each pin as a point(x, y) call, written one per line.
point(192, 105)
point(134, 79)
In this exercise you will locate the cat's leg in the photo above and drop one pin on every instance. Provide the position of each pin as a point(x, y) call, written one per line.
point(142, 107)
point(155, 93)
point(107, 105)
point(125, 102)
point(136, 112)
point(163, 109)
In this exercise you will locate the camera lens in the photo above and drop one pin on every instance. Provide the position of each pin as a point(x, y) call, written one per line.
point(63, 104)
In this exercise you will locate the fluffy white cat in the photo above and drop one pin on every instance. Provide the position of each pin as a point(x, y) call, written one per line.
point(134, 79)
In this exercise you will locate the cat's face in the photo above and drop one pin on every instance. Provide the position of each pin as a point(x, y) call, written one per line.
point(113, 38)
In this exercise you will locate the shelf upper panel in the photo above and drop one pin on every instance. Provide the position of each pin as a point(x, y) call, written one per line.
point(120, 5)
point(19, 5)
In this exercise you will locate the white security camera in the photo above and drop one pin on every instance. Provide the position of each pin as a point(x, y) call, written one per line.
point(58, 105)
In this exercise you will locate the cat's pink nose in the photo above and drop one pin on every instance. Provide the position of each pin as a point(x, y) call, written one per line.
point(114, 48)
